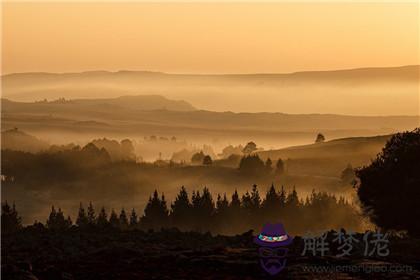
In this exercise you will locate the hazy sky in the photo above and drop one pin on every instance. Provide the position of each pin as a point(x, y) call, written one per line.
point(208, 38)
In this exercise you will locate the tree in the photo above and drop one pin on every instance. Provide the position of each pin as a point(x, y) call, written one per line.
point(268, 165)
point(255, 198)
point(203, 209)
point(156, 212)
point(91, 218)
point(56, 220)
point(113, 219)
point(252, 165)
point(249, 148)
point(389, 187)
point(280, 167)
point(123, 219)
point(198, 158)
point(102, 219)
point(10, 220)
point(272, 204)
point(133, 219)
point(207, 160)
point(320, 138)
point(181, 210)
point(82, 220)
point(222, 205)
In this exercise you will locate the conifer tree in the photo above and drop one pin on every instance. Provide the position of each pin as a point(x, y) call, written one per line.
point(123, 219)
point(156, 213)
point(102, 219)
point(82, 220)
point(181, 210)
point(113, 219)
point(91, 217)
point(133, 219)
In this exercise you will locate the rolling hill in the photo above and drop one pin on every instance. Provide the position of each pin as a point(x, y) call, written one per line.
point(331, 157)
point(365, 91)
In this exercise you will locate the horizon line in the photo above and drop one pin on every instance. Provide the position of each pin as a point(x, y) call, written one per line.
point(209, 74)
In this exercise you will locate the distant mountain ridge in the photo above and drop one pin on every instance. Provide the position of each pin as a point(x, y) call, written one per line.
point(408, 72)
point(363, 91)
point(138, 102)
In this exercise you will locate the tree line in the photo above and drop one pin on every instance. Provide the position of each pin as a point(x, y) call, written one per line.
point(201, 212)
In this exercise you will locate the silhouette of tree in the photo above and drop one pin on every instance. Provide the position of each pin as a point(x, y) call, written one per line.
point(268, 165)
point(56, 220)
point(273, 204)
point(249, 148)
point(133, 219)
point(198, 158)
point(207, 160)
point(389, 187)
point(233, 216)
point(123, 219)
point(203, 209)
point(320, 138)
point(280, 167)
point(113, 219)
point(246, 203)
point(102, 219)
point(156, 213)
point(82, 219)
point(252, 165)
point(181, 210)
point(10, 220)
point(222, 204)
point(91, 218)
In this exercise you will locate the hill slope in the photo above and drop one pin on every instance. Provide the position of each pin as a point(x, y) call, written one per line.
point(329, 158)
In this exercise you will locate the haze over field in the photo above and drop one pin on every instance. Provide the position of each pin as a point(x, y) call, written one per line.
point(107, 102)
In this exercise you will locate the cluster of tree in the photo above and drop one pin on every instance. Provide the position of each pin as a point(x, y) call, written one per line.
point(202, 213)
point(253, 165)
point(66, 165)
point(201, 158)
point(389, 188)
point(118, 151)
point(155, 138)
point(10, 219)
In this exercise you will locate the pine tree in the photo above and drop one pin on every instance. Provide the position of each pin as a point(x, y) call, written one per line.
point(69, 222)
point(255, 198)
point(102, 219)
point(91, 217)
point(181, 210)
point(268, 165)
point(123, 219)
point(56, 220)
point(52, 218)
point(222, 204)
point(113, 219)
point(280, 170)
point(133, 219)
point(82, 220)
point(155, 213)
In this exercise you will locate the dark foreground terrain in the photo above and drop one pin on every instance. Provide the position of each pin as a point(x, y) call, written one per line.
point(169, 254)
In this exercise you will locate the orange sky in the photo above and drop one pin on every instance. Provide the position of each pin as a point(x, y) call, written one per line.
point(207, 38)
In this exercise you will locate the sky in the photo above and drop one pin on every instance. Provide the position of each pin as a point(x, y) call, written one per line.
point(207, 37)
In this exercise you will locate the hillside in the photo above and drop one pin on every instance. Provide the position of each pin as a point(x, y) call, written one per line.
point(127, 117)
point(331, 157)
point(339, 91)
point(15, 139)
